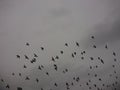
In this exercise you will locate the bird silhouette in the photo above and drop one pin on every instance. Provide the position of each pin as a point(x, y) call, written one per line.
point(33, 60)
point(27, 44)
point(61, 52)
point(7, 86)
point(66, 44)
point(26, 57)
point(77, 44)
point(39, 67)
point(27, 78)
point(20, 74)
point(37, 80)
point(18, 56)
point(24, 66)
point(92, 37)
point(35, 55)
point(19, 88)
point(42, 48)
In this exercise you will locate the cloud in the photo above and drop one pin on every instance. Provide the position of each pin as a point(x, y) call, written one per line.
point(107, 31)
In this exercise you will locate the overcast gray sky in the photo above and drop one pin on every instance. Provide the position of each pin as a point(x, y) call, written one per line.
point(51, 24)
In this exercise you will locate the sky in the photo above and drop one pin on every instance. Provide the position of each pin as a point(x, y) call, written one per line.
point(51, 24)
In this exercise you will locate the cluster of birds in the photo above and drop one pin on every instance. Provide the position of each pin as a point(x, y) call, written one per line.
point(75, 79)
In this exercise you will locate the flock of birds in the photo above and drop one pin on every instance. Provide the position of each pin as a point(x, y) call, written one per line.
point(76, 80)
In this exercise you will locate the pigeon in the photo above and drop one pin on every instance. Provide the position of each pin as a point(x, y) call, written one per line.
point(18, 56)
point(77, 44)
point(27, 44)
point(26, 57)
point(19, 88)
point(7, 86)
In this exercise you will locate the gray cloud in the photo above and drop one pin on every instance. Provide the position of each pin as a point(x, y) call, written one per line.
point(107, 31)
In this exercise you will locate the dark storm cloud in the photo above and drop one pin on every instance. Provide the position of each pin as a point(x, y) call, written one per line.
point(111, 35)
point(106, 31)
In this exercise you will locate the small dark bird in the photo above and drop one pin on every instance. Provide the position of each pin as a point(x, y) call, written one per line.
point(26, 57)
point(87, 83)
point(116, 77)
point(18, 56)
point(33, 60)
point(77, 79)
point(91, 58)
point(89, 80)
point(72, 84)
point(41, 89)
point(106, 46)
point(19, 74)
point(90, 88)
point(24, 66)
point(63, 71)
point(13, 74)
point(66, 44)
point(42, 66)
point(7, 86)
point(88, 74)
point(56, 84)
point(42, 48)
point(95, 85)
point(114, 71)
point(84, 52)
point(27, 44)
point(102, 61)
point(61, 52)
point(56, 57)
point(114, 53)
point(96, 66)
point(2, 80)
point(99, 58)
point(100, 79)
point(77, 44)
point(115, 59)
point(92, 37)
point(53, 59)
point(68, 87)
point(73, 78)
point(39, 68)
point(35, 55)
point(67, 84)
point(19, 88)
point(55, 67)
point(81, 53)
point(113, 66)
point(66, 70)
point(27, 78)
point(37, 80)
point(82, 58)
point(72, 55)
point(94, 46)
point(47, 73)
point(90, 67)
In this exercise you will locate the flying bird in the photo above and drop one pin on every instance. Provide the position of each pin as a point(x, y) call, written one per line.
point(77, 44)
point(66, 44)
point(7, 86)
point(27, 44)
point(18, 56)
point(19, 88)
point(26, 57)
point(33, 60)
point(35, 55)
